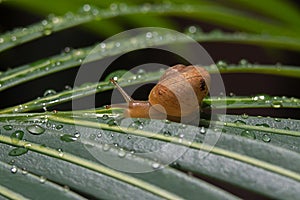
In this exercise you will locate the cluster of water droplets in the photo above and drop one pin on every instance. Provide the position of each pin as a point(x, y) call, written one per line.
point(17, 135)
point(70, 137)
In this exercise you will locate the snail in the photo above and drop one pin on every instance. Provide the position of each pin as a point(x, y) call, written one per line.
point(178, 93)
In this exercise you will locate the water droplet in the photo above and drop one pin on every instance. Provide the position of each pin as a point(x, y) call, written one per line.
point(18, 151)
point(167, 133)
point(266, 138)
point(231, 94)
point(66, 188)
point(261, 97)
point(49, 92)
point(99, 135)
point(117, 44)
point(167, 121)
point(244, 62)
point(24, 171)
point(35, 129)
point(13, 169)
point(276, 104)
point(102, 45)
point(27, 145)
point(245, 116)
point(105, 117)
point(221, 64)
point(8, 127)
point(239, 122)
point(155, 165)
point(149, 35)
point(60, 152)
point(13, 38)
point(106, 147)
point(59, 127)
point(183, 126)
point(42, 179)
point(113, 6)
point(77, 134)
point(132, 151)
point(68, 138)
point(86, 8)
point(47, 31)
point(112, 122)
point(263, 125)
point(16, 136)
point(277, 120)
point(192, 29)
point(202, 130)
point(121, 153)
point(181, 135)
point(248, 134)
point(278, 66)
point(67, 87)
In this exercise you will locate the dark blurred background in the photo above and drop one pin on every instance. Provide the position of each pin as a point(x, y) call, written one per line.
point(239, 84)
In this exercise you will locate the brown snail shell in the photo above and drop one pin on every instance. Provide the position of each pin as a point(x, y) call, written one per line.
point(181, 89)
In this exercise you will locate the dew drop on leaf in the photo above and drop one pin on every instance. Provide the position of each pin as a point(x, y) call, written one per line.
point(202, 130)
point(248, 134)
point(68, 138)
point(112, 122)
point(121, 153)
point(49, 92)
point(221, 64)
point(105, 117)
point(277, 120)
point(266, 138)
point(59, 127)
point(239, 122)
point(244, 62)
point(42, 179)
point(24, 171)
point(155, 165)
point(35, 129)
point(8, 127)
point(106, 147)
point(276, 104)
point(263, 125)
point(18, 151)
point(77, 134)
point(16, 136)
point(47, 30)
point(13, 169)
point(245, 116)
point(60, 152)
point(167, 133)
point(86, 8)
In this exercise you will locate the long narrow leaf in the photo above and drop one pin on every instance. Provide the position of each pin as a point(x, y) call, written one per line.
point(216, 14)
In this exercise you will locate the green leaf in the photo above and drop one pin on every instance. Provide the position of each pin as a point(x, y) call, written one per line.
point(216, 14)
point(258, 127)
point(19, 184)
point(290, 14)
point(237, 160)
point(75, 163)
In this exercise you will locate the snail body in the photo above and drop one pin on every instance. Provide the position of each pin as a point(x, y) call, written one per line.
point(178, 93)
